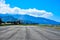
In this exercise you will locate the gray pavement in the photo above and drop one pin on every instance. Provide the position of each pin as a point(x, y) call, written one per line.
point(18, 32)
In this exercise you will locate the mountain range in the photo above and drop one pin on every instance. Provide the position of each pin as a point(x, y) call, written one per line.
point(26, 19)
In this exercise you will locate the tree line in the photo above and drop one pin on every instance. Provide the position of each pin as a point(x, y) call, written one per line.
point(15, 22)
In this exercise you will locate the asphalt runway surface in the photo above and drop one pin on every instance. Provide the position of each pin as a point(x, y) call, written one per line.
point(17, 32)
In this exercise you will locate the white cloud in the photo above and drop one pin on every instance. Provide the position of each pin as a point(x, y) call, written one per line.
point(5, 8)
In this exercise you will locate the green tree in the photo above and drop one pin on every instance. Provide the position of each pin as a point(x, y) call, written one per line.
point(0, 21)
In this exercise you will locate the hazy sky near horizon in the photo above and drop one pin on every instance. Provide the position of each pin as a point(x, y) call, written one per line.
point(40, 8)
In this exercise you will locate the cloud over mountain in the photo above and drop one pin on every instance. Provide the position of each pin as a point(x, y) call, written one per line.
point(5, 8)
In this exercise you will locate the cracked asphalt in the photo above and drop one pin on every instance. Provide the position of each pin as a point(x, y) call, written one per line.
point(17, 32)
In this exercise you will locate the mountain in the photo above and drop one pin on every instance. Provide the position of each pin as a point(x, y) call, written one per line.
point(37, 20)
point(26, 19)
point(8, 18)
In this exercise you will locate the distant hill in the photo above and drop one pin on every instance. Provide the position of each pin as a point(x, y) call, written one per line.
point(26, 19)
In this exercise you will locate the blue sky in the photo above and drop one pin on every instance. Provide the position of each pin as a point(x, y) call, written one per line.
point(47, 5)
